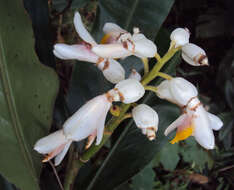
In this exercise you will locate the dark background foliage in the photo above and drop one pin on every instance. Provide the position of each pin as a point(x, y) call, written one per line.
point(129, 161)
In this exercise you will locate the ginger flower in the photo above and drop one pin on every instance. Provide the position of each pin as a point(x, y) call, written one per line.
point(112, 69)
point(118, 43)
point(88, 121)
point(194, 55)
point(180, 36)
point(146, 119)
point(195, 120)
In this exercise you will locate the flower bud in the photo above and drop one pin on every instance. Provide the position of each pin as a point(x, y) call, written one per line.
point(177, 90)
point(112, 70)
point(127, 91)
point(146, 118)
point(180, 36)
point(135, 75)
point(194, 55)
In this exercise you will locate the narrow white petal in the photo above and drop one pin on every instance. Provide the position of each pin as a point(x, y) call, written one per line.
point(85, 121)
point(145, 117)
point(175, 124)
point(61, 155)
point(114, 72)
point(79, 52)
point(110, 27)
point(47, 144)
point(203, 133)
point(131, 90)
point(111, 50)
point(215, 122)
point(81, 30)
point(143, 46)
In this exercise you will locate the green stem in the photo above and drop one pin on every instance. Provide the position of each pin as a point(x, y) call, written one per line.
point(146, 66)
point(165, 76)
point(151, 88)
point(76, 164)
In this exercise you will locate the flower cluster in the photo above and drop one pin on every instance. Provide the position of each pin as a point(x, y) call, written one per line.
point(89, 120)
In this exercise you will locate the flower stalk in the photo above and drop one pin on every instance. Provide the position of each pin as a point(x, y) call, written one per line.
point(76, 164)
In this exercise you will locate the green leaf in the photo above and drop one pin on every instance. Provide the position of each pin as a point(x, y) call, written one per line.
point(144, 179)
point(60, 5)
point(195, 155)
point(133, 150)
point(148, 15)
point(169, 156)
point(27, 93)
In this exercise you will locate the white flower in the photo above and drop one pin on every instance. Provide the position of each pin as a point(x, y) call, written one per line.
point(180, 36)
point(194, 55)
point(112, 69)
point(135, 75)
point(88, 121)
point(146, 119)
point(118, 43)
point(197, 122)
point(177, 90)
point(54, 145)
point(127, 91)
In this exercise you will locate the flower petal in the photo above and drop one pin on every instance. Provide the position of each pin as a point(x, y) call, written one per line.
point(180, 36)
point(179, 121)
point(114, 72)
point(61, 155)
point(86, 120)
point(164, 92)
point(111, 50)
point(79, 52)
point(81, 30)
point(49, 143)
point(110, 27)
point(143, 46)
point(203, 133)
point(215, 122)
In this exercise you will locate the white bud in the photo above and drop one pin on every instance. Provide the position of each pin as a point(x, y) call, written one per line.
point(112, 70)
point(215, 122)
point(145, 117)
point(135, 75)
point(180, 36)
point(127, 91)
point(194, 55)
point(177, 90)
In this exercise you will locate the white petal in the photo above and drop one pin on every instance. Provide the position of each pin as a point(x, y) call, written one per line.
point(47, 144)
point(194, 55)
point(131, 90)
point(86, 120)
point(180, 36)
point(144, 130)
point(182, 90)
point(115, 72)
point(215, 122)
point(110, 27)
point(143, 46)
point(175, 124)
point(111, 50)
point(61, 155)
point(144, 116)
point(135, 75)
point(100, 129)
point(203, 133)
point(79, 52)
point(81, 30)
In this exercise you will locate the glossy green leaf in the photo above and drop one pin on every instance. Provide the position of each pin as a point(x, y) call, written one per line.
point(169, 156)
point(27, 93)
point(144, 179)
point(148, 15)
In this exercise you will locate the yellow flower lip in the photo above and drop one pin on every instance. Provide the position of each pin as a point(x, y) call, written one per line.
point(183, 132)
